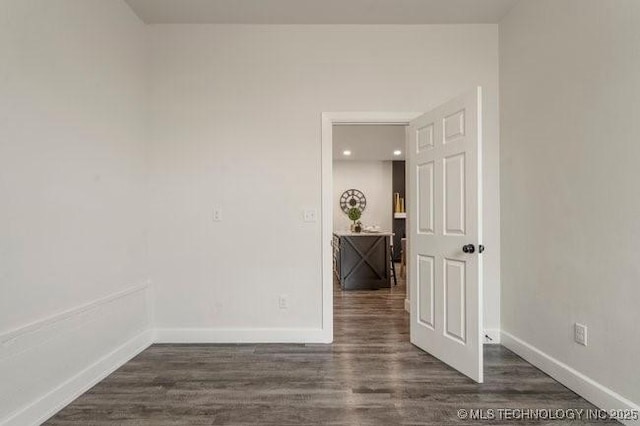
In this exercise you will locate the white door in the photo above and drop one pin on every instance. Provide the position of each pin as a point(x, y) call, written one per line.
point(445, 233)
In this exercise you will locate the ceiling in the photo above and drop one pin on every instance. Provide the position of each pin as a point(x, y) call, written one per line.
point(368, 142)
point(320, 11)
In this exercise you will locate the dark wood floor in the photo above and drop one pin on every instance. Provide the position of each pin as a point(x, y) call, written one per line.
point(371, 375)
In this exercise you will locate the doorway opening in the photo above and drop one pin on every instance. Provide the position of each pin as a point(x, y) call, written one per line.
point(444, 227)
point(369, 243)
point(329, 120)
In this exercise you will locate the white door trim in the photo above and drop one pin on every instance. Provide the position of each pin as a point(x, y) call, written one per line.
point(328, 120)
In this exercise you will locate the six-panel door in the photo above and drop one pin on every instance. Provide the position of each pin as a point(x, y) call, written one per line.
point(444, 183)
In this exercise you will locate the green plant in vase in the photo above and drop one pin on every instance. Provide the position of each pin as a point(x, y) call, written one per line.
point(355, 214)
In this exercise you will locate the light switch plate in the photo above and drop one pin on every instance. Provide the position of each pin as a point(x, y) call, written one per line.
point(283, 301)
point(310, 215)
point(217, 215)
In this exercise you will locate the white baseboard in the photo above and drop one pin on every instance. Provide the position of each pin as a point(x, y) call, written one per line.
point(46, 406)
point(407, 305)
point(52, 402)
point(494, 336)
point(242, 335)
point(589, 389)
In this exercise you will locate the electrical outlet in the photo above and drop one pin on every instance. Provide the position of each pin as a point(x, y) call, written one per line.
point(580, 334)
point(217, 215)
point(310, 215)
point(283, 301)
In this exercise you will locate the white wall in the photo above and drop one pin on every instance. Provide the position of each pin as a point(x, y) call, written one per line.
point(236, 124)
point(570, 96)
point(72, 194)
point(374, 179)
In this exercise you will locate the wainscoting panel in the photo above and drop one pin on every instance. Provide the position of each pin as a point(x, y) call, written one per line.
point(46, 364)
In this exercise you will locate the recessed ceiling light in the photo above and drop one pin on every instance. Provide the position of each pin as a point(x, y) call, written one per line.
point(397, 152)
point(347, 152)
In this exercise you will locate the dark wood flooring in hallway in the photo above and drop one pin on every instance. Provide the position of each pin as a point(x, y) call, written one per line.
point(370, 375)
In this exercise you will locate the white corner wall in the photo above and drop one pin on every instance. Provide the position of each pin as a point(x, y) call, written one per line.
point(235, 124)
point(374, 179)
point(570, 97)
point(73, 274)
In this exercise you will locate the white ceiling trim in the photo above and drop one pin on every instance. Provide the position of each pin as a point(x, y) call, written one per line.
point(321, 11)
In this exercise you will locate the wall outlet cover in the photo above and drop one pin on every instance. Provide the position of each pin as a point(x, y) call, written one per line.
point(580, 334)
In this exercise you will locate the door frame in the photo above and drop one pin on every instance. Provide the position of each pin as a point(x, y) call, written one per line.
point(329, 119)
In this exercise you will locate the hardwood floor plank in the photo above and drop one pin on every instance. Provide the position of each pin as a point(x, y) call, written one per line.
point(370, 375)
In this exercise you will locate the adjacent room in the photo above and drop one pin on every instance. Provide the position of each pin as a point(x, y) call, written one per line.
point(368, 205)
point(298, 212)
point(369, 242)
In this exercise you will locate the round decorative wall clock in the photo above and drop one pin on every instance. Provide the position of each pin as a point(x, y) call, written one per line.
point(352, 198)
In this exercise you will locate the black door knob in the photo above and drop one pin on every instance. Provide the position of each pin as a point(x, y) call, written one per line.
point(468, 248)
